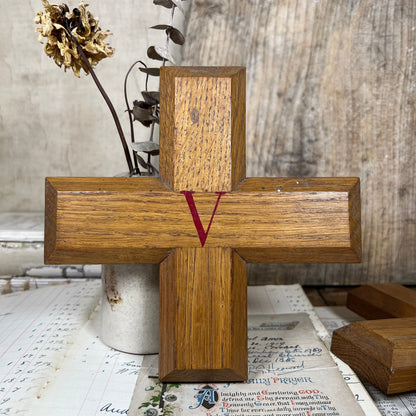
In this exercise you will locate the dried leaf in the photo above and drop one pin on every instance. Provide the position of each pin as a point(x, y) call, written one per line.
point(165, 3)
point(143, 113)
point(141, 104)
point(146, 147)
point(159, 53)
point(151, 97)
point(155, 172)
point(151, 71)
point(142, 162)
point(173, 33)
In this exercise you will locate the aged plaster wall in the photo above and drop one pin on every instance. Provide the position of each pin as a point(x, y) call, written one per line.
point(53, 124)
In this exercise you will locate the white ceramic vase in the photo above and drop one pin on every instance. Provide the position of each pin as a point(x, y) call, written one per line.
point(130, 307)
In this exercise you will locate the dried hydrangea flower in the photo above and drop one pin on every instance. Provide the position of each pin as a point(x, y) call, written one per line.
point(61, 28)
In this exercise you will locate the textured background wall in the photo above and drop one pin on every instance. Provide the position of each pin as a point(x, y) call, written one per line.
point(53, 124)
point(330, 92)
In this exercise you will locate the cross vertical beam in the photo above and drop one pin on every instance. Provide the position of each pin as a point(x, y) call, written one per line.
point(203, 291)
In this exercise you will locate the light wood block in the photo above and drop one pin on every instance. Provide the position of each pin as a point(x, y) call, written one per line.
point(383, 351)
point(380, 301)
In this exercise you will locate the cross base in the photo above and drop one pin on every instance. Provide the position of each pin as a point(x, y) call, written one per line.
point(203, 317)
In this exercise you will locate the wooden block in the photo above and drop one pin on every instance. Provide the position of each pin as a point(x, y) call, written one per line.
point(202, 128)
point(383, 351)
point(381, 301)
point(203, 319)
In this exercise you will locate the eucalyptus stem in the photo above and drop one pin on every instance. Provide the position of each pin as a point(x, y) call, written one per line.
point(168, 35)
point(108, 102)
point(136, 164)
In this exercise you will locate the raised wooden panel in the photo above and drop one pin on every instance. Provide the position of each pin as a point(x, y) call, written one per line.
point(202, 146)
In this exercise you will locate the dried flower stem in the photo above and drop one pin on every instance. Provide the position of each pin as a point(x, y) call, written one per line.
point(108, 102)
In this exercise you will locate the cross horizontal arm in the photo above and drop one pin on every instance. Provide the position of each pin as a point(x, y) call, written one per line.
point(140, 220)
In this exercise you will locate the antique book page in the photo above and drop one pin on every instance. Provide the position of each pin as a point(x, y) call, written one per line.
point(290, 373)
point(53, 362)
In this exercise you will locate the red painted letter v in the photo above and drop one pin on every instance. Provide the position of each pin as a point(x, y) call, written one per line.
point(202, 234)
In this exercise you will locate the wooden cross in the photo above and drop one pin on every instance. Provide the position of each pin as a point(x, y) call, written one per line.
point(202, 220)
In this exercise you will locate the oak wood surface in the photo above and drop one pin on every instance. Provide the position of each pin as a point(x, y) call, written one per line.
point(380, 301)
point(265, 219)
point(384, 351)
point(203, 326)
point(202, 145)
point(330, 92)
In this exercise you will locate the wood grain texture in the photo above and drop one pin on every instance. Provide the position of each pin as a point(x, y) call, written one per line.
point(139, 220)
point(382, 301)
point(203, 326)
point(384, 351)
point(202, 131)
point(330, 92)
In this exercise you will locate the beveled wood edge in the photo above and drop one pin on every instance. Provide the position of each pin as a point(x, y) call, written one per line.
point(167, 286)
point(83, 184)
point(202, 71)
point(251, 184)
point(354, 206)
point(238, 129)
point(204, 376)
point(240, 315)
point(106, 256)
point(300, 184)
point(299, 255)
point(51, 196)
